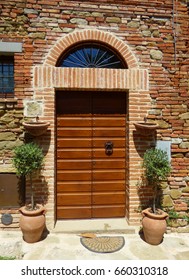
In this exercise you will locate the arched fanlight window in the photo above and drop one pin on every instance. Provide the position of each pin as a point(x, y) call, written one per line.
point(91, 55)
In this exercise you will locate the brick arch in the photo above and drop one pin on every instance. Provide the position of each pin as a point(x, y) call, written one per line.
point(93, 35)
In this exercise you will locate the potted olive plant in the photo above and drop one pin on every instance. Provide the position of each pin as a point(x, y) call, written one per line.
point(156, 169)
point(27, 159)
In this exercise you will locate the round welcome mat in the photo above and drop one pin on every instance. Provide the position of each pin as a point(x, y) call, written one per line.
point(103, 244)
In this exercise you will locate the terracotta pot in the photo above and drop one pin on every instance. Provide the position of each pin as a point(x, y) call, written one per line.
point(32, 223)
point(146, 128)
point(37, 128)
point(154, 226)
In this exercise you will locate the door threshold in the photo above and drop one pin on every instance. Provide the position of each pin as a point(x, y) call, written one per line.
point(116, 225)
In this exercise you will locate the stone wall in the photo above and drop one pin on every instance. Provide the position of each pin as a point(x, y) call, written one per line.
point(11, 136)
point(157, 35)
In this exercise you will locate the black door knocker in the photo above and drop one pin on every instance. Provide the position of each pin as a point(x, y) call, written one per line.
point(109, 148)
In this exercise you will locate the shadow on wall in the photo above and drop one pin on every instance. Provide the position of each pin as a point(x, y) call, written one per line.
point(41, 189)
point(145, 192)
point(144, 142)
point(43, 141)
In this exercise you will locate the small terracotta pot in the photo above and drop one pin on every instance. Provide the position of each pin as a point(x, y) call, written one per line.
point(32, 223)
point(154, 226)
point(36, 128)
point(146, 128)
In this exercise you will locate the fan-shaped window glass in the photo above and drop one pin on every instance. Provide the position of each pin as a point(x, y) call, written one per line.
point(91, 56)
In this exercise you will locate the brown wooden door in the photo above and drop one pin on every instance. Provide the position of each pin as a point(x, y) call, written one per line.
point(90, 181)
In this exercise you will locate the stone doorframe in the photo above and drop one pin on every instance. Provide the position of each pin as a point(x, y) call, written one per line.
point(47, 78)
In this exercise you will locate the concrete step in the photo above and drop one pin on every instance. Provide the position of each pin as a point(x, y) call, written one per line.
point(118, 225)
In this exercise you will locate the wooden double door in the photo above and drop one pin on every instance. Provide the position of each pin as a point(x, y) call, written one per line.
point(91, 154)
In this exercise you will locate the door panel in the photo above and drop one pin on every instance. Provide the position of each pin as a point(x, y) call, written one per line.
point(65, 187)
point(75, 212)
point(117, 153)
point(108, 211)
point(75, 154)
point(72, 132)
point(107, 198)
point(109, 186)
point(109, 121)
point(118, 142)
point(74, 122)
point(90, 182)
point(74, 199)
point(73, 164)
point(74, 138)
point(108, 132)
point(108, 175)
point(74, 176)
point(107, 164)
point(108, 126)
point(77, 143)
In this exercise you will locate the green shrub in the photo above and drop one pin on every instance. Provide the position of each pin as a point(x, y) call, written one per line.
point(7, 258)
point(156, 169)
point(27, 159)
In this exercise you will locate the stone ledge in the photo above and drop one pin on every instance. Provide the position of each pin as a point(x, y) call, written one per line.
point(8, 100)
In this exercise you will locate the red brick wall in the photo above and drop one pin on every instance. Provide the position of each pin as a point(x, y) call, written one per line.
point(158, 39)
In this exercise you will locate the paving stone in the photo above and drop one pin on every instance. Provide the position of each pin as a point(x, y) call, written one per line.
point(68, 247)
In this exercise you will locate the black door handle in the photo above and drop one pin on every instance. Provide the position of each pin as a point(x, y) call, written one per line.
point(109, 148)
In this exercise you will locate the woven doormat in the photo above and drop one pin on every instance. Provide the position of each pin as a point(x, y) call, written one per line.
point(103, 244)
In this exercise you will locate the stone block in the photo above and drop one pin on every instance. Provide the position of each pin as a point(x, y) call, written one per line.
point(156, 54)
point(30, 11)
point(146, 33)
point(175, 194)
point(183, 229)
point(133, 24)
point(37, 35)
point(33, 108)
point(184, 145)
point(113, 19)
point(10, 145)
point(8, 117)
point(173, 223)
point(164, 185)
point(185, 190)
point(12, 47)
point(184, 116)
point(156, 34)
point(167, 201)
point(7, 136)
point(79, 21)
point(162, 124)
point(176, 140)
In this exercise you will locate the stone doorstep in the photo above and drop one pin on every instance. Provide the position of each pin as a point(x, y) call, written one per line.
point(119, 226)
